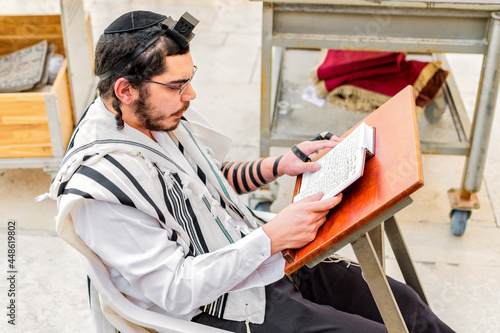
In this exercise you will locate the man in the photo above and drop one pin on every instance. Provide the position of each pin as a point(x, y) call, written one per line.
point(142, 195)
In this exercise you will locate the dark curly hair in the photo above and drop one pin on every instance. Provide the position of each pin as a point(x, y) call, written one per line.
point(111, 48)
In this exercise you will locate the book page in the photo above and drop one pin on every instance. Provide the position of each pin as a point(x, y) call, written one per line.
point(340, 167)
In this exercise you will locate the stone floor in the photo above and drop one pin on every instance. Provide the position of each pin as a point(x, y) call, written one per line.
point(461, 275)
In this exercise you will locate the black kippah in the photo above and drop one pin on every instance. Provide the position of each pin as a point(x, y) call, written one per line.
point(132, 21)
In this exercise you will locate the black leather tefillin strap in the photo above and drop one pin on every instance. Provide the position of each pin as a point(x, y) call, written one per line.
point(317, 137)
point(300, 154)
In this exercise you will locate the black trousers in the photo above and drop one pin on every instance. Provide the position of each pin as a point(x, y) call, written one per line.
point(331, 297)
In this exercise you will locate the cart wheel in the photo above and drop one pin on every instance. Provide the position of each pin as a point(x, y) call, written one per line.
point(459, 221)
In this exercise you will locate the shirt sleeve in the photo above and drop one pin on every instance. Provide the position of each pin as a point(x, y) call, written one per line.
point(146, 264)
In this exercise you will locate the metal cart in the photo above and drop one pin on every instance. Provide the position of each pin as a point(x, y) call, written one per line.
point(293, 30)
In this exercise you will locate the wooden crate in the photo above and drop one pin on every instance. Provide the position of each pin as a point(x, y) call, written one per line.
point(35, 124)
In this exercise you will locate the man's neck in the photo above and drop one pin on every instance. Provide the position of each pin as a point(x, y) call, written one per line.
point(109, 106)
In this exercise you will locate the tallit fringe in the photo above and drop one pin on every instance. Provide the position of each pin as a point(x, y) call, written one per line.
point(229, 225)
point(42, 197)
point(247, 322)
point(169, 179)
point(186, 192)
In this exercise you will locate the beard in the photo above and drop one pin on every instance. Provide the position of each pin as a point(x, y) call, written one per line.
point(151, 119)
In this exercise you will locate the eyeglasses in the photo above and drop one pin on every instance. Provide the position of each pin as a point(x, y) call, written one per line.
point(180, 88)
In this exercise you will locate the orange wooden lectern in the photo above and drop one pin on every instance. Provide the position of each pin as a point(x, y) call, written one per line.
point(389, 178)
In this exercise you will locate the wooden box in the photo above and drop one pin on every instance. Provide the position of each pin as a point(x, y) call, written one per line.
point(35, 124)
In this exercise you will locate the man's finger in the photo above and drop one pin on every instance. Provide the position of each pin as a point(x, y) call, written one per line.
point(311, 167)
point(309, 147)
point(315, 197)
point(332, 138)
point(322, 221)
point(326, 204)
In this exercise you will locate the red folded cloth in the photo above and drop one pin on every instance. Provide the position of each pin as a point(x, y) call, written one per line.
point(340, 62)
point(364, 80)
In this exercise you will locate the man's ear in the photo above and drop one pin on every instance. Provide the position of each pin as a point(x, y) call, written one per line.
point(124, 91)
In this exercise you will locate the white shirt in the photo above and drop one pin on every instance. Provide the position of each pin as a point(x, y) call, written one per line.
point(151, 270)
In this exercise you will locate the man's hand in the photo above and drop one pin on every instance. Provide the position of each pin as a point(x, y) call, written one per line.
point(291, 165)
point(298, 224)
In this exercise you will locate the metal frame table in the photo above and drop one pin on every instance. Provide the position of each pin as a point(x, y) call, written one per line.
point(439, 26)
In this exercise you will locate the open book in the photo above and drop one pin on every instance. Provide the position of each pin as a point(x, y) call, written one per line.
point(341, 166)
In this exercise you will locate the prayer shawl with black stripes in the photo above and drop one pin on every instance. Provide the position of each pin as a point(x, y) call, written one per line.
point(127, 167)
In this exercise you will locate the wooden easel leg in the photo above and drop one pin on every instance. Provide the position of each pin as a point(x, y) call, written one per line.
point(379, 287)
point(403, 257)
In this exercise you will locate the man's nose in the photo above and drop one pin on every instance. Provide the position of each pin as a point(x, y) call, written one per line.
point(188, 93)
